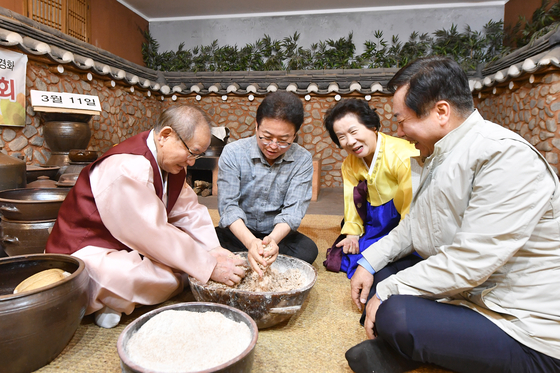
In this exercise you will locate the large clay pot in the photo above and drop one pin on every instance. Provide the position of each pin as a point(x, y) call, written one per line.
point(63, 136)
point(25, 237)
point(64, 132)
point(73, 117)
point(36, 325)
point(13, 172)
point(32, 203)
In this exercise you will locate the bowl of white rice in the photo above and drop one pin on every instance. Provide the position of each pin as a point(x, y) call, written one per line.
point(189, 337)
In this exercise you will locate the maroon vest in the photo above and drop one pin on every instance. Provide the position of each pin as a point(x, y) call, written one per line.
point(79, 224)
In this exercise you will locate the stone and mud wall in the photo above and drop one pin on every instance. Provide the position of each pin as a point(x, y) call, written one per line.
point(531, 109)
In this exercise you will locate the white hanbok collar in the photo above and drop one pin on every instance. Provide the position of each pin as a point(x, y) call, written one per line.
point(379, 145)
point(151, 142)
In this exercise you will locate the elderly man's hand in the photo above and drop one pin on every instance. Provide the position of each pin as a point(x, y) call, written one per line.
point(229, 269)
point(361, 284)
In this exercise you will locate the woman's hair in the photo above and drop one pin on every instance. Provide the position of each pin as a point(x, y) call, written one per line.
point(431, 79)
point(281, 105)
point(359, 108)
point(183, 119)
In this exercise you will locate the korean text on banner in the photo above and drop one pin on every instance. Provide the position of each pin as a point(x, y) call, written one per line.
point(13, 68)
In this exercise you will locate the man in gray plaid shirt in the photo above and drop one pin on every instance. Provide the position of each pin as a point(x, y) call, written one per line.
point(264, 186)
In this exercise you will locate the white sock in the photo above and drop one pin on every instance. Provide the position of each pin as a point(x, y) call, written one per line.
point(107, 317)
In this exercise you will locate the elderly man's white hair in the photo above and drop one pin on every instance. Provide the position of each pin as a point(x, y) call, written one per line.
point(184, 119)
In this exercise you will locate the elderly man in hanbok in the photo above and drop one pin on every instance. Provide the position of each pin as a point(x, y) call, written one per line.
point(137, 225)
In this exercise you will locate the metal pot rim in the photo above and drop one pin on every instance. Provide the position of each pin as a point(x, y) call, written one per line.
point(23, 222)
point(59, 192)
point(32, 167)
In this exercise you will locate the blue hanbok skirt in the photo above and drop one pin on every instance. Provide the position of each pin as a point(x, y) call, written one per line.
point(380, 220)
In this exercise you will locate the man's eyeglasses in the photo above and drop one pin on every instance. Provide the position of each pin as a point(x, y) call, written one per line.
point(193, 155)
point(281, 144)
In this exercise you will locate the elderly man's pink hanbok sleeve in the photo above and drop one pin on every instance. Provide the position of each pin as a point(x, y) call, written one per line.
point(132, 212)
point(193, 218)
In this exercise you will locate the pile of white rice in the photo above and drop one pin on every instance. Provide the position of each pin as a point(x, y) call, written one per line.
point(185, 341)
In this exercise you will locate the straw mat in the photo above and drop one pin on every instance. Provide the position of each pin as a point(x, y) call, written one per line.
point(314, 340)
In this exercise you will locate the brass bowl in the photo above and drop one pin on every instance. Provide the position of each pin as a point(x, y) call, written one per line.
point(239, 364)
point(36, 325)
point(266, 308)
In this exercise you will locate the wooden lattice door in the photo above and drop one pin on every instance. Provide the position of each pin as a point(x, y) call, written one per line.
point(71, 17)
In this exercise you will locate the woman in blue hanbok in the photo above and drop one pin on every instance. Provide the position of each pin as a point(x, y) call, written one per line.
point(377, 181)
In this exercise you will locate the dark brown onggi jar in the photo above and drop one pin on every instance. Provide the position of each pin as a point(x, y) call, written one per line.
point(25, 237)
point(36, 325)
point(64, 132)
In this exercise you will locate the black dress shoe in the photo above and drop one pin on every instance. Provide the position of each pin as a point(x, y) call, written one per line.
point(376, 356)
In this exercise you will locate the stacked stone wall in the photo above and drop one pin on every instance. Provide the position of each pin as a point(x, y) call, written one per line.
point(124, 113)
point(533, 110)
point(238, 114)
point(530, 109)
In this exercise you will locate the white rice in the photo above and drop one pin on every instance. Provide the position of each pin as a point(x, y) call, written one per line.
point(185, 341)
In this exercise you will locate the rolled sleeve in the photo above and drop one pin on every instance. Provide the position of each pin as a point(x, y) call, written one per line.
point(364, 263)
point(297, 196)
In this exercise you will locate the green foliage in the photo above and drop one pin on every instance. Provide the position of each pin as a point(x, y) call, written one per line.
point(416, 47)
point(272, 54)
point(335, 54)
point(203, 57)
point(470, 48)
point(545, 19)
point(297, 58)
point(375, 52)
point(150, 50)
